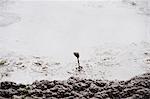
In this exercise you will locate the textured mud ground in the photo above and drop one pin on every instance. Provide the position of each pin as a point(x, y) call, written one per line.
point(75, 88)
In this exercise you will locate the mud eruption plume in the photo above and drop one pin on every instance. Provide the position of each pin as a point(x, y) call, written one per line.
point(76, 54)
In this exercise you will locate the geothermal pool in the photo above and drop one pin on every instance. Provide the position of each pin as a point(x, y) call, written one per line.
point(111, 37)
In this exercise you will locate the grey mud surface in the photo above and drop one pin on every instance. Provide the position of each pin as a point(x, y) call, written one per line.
point(75, 88)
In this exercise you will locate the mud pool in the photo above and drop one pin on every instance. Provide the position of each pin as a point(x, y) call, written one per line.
point(38, 39)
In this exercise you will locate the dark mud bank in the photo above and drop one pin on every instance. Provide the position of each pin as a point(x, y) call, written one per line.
point(75, 88)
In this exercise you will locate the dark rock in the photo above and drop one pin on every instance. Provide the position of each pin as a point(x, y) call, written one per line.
point(21, 86)
point(93, 88)
point(43, 84)
point(79, 86)
point(8, 93)
point(72, 80)
point(70, 97)
point(100, 83)
point(101, 95)
point(7, 85)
